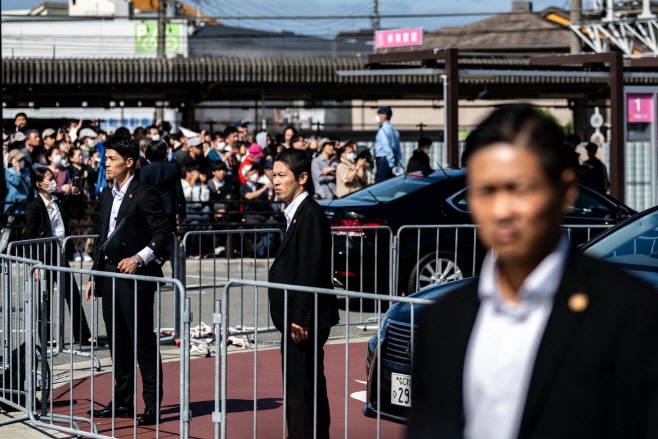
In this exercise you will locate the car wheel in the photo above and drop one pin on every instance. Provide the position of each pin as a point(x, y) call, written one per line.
point(435, 271)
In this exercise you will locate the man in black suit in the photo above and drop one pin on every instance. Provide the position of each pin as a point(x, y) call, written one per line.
point(165, 177)
point(130, 198)
point(304, 259)
point(547, 342)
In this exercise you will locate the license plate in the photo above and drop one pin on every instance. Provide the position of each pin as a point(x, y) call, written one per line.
point(401, 389)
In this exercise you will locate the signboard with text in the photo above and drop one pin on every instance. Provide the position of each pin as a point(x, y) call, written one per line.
point(398, 38)
point(146, 38)
point(640, 107)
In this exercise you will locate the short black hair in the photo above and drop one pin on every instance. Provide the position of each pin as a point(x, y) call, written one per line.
point(296, 138)
point(123, 131)
point(190, 168)
point(156, 151)
point(218, 136)
point(218, 165)
point(72, 151)
point(19, 115)
point(125, 146)
point(424, 141)
point(229, 130)
point(297, 161)
point(290, 127)
point(37, 176)
point(591, 147)
point(522, 125)
point(573, 138)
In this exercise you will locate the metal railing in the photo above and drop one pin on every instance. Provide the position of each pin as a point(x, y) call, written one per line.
point(220, 416)
point(138, 304)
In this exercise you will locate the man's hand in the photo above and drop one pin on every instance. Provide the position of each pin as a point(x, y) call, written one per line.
point(328, 170)
point(298, 333)
point(60, 135)
point(194, 177)
point(90, 286)
point(75, 190)
point(127, 266)
point(360, 163)
point(15, 164)
point(203, 178)
point(66, 188)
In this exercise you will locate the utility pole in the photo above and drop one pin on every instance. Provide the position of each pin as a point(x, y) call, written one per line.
point(198, 12)
point(375, 20)
point(162, 18)
point(575, 16)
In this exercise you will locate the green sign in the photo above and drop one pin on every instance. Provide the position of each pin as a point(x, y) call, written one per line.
point(146, 38)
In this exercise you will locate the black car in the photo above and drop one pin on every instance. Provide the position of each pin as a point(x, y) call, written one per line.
point(632, 245)
point(435, 199)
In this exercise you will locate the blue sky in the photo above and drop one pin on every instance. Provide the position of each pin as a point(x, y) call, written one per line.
point(328, 28)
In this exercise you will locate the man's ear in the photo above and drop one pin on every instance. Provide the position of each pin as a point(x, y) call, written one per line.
point(130, 163)
point(303, 178)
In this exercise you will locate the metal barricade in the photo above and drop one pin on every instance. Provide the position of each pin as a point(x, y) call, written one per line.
point(223, 320)
point(241, 248)
point(129, 331)
point(15, 324)
point(428, 255)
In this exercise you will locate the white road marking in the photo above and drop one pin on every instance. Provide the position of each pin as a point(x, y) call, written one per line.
point(359, 396)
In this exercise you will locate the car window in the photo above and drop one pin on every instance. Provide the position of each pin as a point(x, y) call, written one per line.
point(590, 205)
point(634, 246)
point(392, 189)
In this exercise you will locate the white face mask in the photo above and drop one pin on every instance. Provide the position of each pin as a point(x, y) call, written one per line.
point(42, 160)
point(57, 160)
point(52, 186)
point(253, 178)
point(350, 156)
point(155, 137)
point(91, 142)
point(21, 164)
point(426, 151)
point(377, 121)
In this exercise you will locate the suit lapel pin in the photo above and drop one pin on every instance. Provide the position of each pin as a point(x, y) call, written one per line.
point(130, 196)
point(294, 221)
point(578, 302)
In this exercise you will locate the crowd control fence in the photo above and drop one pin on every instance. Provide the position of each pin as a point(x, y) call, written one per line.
point(377, 397)
point(15, 325)
point(66, 396)
point(428, 255)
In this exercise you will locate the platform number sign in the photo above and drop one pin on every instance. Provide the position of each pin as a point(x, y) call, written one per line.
point(146, 38)
point(639, 107)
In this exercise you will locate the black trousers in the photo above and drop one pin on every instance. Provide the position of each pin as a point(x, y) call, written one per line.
point(122, 326)
point(300, 375)
point(79, 322)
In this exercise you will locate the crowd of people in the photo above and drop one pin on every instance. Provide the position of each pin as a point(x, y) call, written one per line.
point(204, 178)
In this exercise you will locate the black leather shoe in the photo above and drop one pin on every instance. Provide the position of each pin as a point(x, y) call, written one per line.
point(149, 417)
point(119, 412)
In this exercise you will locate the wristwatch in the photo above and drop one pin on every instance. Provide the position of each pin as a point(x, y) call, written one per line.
point(138, 263)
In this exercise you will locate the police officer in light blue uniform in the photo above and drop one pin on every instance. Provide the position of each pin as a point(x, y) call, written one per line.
point(388, 155)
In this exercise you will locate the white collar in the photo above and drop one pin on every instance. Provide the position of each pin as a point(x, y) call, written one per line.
point(292, 207)
point(48, 203)
point(541, 284)
point(124, 188)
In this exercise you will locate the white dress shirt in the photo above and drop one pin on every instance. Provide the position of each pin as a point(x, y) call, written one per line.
point(289, 213)
point(146, 253)
point(56, 221)
point(503, 346)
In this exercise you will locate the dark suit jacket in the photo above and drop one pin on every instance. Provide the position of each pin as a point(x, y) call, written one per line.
point(595, 374)
point(304, 259)
point(164, 176)
point(143, 204)
point(38, 222)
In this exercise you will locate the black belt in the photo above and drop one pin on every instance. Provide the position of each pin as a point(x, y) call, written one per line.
point(379, 159)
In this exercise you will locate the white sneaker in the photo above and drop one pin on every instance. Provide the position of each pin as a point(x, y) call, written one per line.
point(219, 249)
point(86, 257)
point(77, 257)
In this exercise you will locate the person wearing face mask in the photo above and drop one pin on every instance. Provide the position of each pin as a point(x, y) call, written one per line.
point(350, 172)
point(388, 155)
point(420, 160)
point(18, 181)
point(88, 139)
point(62, 175)
point(48, 216)
point(255, 189)
point(250, 162)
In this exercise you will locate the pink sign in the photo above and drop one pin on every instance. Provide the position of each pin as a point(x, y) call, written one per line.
point(398, 38)
point(640, 107)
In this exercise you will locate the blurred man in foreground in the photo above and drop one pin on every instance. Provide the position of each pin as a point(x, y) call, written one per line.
point(547, 343)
